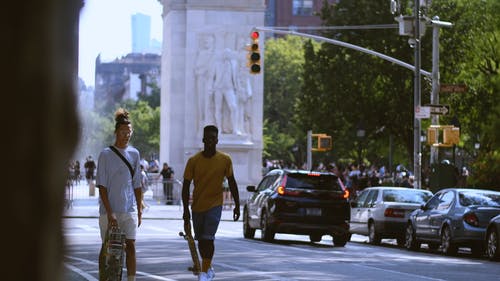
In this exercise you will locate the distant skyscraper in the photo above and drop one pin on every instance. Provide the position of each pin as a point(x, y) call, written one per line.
point(141, 33)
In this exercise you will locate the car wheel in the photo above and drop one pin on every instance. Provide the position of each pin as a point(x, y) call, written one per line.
point(373, 236)
point(492, 245)
point(248, 232)
point(340, 240)
point(267, 234)
point(315, 237)
point(411, 242)
point(447, 246)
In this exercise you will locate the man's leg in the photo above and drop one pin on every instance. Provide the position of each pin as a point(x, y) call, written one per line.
point(102, 258)
point(206, 248)
point(131, 259)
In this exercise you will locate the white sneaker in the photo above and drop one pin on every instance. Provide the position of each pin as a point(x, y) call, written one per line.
point(210, 274)
point(203, 276)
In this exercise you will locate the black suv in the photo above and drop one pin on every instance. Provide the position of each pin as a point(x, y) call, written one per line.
point(298, 202)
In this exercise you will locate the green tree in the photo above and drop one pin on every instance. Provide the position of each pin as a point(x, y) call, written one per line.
point(345, 90)
point(282, 85)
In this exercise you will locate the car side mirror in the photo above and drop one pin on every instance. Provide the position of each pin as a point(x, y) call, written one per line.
point(251, 188)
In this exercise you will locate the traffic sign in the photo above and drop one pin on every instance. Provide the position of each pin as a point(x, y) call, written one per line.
point(439, 109)
point(453, 88)
point(422, 112)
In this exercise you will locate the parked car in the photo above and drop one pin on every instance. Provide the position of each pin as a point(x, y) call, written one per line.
point(453, 218)
point(492, 239)
point(298, 202)
point(382, 212)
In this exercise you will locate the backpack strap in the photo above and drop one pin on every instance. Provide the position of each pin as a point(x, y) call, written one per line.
point(124, 160)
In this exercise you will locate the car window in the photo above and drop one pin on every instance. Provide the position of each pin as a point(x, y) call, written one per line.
point(406, 196)
point(316, 182)
point(445, 200)
point(479, 198)
point(371, 199)
point(266, 182)
point(360, 201)
point(433, 203)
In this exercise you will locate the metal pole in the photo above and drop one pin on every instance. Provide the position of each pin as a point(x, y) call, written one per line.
point(416, 101)
point(434, 152)
point(309, 150)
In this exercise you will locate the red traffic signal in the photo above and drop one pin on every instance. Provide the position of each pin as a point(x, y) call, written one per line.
point(254, 53)
point(254, 35)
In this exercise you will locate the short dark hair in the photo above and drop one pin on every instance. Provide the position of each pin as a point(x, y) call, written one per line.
point(210, 128)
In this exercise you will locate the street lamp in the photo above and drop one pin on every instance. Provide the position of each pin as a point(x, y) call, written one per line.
point(360, 133)
point(414, 27)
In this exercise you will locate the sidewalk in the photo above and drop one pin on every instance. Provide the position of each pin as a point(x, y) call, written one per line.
point(89, 208)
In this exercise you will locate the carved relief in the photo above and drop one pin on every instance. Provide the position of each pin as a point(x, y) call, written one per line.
point(223, 86)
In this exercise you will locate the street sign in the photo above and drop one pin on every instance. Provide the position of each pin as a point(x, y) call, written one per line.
point(422, 112)
point(439, 109)
point(453, 88)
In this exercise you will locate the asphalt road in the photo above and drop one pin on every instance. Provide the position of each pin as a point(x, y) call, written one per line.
point(163, 255)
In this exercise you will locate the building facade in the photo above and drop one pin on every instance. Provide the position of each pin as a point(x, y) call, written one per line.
point(125, 78)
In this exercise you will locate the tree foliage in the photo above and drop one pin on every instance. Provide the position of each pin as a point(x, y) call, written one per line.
point(98, 127)
point(343, 90)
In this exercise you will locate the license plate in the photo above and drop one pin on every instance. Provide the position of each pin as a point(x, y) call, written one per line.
point(313, 212)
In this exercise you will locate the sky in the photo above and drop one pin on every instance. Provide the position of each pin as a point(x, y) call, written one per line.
point(105, 28)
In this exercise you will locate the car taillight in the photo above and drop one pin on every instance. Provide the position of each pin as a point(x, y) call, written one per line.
point(283, 191)
point(471, 219)
point(346, 194)
point(394, 213)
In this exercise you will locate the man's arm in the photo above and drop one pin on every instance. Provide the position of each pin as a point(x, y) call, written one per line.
point(103, 193)
point(185, 199)
point(138, 201)
point(233, 187)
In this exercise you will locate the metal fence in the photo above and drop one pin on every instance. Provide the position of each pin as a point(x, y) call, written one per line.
point(157, 187)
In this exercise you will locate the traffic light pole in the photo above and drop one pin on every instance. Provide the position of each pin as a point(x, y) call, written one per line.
point(417, 155)
point(309, 150)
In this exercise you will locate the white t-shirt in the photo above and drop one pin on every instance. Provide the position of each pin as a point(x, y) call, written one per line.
point(114, 175)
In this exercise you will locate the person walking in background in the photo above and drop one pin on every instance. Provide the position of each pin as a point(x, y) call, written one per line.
point(90, 167)
point(207, 170)
point(144, 184)
point(119, 181)
point(168, 176)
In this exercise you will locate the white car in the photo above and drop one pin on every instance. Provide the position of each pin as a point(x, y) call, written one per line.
point(382, 212)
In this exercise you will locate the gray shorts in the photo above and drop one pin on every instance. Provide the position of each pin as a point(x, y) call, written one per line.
point(205, 224)
point(126, 221)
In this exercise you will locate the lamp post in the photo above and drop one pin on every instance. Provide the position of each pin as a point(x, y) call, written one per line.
point(360, 133)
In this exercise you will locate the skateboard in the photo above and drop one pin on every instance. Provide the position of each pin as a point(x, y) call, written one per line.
point(196, 268)
point(114, 255)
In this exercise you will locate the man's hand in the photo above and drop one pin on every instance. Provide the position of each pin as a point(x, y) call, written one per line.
point(112, 221)
point(236, 213)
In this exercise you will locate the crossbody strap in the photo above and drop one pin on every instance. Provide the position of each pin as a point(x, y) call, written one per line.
point(124, 160)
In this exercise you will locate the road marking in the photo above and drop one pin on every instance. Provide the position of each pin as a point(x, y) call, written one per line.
point(89, 277)
point(80, 272)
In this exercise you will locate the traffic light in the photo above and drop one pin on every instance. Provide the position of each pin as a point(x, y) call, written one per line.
point(254, 53)
point(432, 135)
point(321, 142)
point(325, 143)
point(451, 135)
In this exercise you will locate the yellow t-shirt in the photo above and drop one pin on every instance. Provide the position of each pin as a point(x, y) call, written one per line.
point(207, 175)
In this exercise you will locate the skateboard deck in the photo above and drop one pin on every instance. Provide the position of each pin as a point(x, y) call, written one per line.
point(114, 255)
point(196, 268)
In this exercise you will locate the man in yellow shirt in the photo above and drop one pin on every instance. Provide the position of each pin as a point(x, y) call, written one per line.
point(207, 169)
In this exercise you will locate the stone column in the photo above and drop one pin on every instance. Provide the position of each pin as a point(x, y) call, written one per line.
point(205, 80)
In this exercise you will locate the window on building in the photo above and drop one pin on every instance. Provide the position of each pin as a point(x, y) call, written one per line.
point(302, 7)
